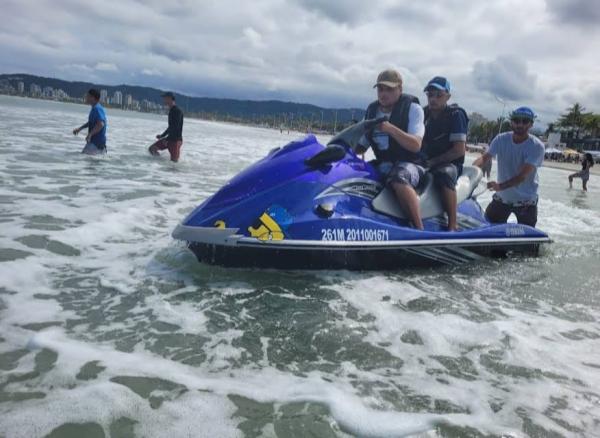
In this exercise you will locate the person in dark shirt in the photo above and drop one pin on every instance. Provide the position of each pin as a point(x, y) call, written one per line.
point(96, 125)
point(444, 143)
point(171, 139)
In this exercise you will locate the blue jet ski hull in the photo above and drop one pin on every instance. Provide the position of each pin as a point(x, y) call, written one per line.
point(286, 214)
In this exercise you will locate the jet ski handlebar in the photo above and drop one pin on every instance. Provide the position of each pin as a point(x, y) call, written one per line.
point(348, 139)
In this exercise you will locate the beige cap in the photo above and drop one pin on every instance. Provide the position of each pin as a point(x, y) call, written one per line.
point(390, 78)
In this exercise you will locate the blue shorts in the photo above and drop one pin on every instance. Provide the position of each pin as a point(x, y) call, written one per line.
point(446, 175)
point(405, 172)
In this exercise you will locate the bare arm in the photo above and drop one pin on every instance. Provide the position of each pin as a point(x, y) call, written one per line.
point(410, 142)
point(457, 151)
point(514, 181)
point(77, 130)
point(481, 161)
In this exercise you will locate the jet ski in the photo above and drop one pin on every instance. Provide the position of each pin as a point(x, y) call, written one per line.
point(310, 206)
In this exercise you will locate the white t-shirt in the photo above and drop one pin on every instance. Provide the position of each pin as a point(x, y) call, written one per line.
point(416, 126)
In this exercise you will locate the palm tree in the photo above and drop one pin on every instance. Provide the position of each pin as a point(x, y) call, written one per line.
point(591, 123)
point(573, 119)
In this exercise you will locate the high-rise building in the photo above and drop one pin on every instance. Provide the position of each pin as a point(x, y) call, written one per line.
point(21, 87)
point(35, 90)
point(103, 96)
point(117, 98)
point(48, 92)
point(128, 101)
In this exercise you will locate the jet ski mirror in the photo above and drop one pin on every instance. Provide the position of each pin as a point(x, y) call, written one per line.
point(331, 154)
point(351, 136)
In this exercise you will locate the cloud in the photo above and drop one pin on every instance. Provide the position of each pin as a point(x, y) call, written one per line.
point(151, 72)
point(106, 66)
point(577, 12)
point(506, 77)
point(348, 11)
point(322, 52)
point(173, 50)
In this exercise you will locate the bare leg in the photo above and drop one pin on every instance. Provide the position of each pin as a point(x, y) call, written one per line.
point(409, 202)
point(570, 181)
point(584, 185)
point(449, 204)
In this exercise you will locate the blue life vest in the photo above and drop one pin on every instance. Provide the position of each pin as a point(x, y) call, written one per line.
point(437, 133)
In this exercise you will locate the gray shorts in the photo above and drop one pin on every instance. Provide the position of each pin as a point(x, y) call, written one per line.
point(92, 149)
point(446, 175)
point(404, 172)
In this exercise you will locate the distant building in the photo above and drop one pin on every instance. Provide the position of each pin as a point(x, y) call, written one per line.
point(117, 98)
point(129, 101)
point(21, 87)
point(35, 90)
point(48, 92)
point(103, 96)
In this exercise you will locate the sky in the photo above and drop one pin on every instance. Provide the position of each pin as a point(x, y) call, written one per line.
point(540, 53)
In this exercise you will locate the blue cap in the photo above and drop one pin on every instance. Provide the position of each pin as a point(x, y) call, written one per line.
point(440, 83)
point(523, 111)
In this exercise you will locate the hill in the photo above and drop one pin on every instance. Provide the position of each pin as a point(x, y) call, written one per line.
point(206, 107)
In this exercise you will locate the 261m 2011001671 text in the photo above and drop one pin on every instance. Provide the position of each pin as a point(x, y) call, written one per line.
point(354, 234)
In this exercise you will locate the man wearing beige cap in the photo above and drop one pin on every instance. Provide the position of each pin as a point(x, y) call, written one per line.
point(396, 142)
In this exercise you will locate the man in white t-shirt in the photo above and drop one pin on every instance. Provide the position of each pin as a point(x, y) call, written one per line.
point(396, 142)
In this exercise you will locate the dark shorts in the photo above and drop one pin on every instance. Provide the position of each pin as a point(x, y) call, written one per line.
point(173, 146)
point(446, 175)
point(498, 212)
point(404, 172)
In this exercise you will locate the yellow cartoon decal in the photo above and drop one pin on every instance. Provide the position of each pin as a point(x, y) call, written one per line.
point(271, 224)
point(220, 224)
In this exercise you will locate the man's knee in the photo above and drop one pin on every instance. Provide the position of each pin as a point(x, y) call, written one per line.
point(405, 173)
point(445, 177)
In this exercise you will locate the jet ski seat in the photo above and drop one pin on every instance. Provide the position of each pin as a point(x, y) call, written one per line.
point(385, 202)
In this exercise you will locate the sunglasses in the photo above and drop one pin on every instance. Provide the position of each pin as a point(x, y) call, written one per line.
point(520, 121)
point(436, 94)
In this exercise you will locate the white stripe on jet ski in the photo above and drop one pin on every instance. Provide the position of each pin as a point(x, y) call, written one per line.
point(431, 256)
point(344, 244)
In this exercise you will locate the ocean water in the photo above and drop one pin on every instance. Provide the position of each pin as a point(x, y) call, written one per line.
point(109, 328)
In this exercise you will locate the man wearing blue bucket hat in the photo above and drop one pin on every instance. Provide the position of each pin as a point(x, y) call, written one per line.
point(519, 156)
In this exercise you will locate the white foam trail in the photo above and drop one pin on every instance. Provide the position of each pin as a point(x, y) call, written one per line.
point(266, 385)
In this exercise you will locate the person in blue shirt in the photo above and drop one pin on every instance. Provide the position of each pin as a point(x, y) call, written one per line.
point(519, 154)
point(444, 143)
point(96, 125)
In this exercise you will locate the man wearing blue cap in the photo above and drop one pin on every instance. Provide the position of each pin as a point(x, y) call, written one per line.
point(519, 156)
point(444, 143)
